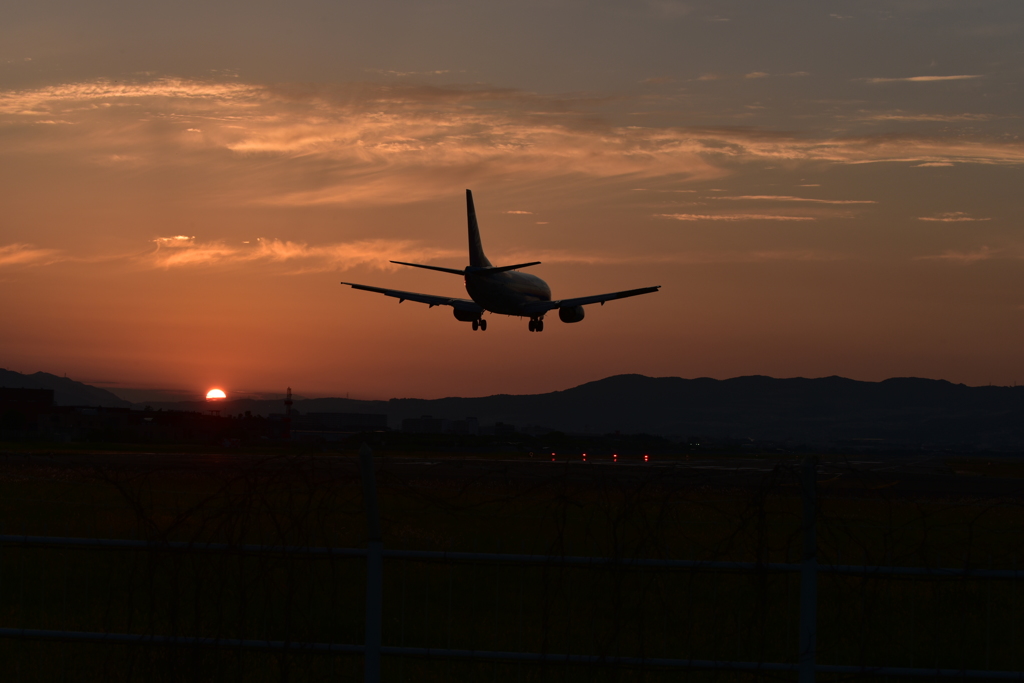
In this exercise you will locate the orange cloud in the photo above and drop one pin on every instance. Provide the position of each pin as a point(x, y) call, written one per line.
point(920, 79)
point(963, 257)
point(785, 198)
point(952, 217)
point(186, 252)
point(26, 254)
point(371, 143)
point(733, 217)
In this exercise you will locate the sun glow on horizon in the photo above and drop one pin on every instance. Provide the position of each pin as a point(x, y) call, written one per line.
point(215, 394)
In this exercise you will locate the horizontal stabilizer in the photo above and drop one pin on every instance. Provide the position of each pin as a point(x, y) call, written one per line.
point(443, 270)
point(503, 269)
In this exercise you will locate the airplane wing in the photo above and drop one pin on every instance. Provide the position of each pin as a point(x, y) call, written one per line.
point(429, 299)
point(538, 307)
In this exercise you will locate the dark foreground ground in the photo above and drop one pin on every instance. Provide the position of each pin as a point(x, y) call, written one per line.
point(919, 510)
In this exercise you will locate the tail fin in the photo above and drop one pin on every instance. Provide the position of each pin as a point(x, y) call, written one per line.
point(476, 250)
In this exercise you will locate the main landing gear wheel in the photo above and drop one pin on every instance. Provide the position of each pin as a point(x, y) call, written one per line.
point(483, 325)
point(476, 325)
point(536, 326)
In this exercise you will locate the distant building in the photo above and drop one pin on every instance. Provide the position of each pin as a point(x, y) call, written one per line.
point(502, 429)
point(335, 426)
point(468, 426)
point(41, 398)
point(20, 410)
point(425, 425)
point(435, 425)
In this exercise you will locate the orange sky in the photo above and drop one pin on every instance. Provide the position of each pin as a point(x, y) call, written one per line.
point(841, 196)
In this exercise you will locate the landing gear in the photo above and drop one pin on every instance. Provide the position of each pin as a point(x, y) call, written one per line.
point(536, 325)
point(476, 325)
point(480, 324)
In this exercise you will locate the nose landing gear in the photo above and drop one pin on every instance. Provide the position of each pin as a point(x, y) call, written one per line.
point(536, 325)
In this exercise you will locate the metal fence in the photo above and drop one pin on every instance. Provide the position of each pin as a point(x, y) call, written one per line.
point(803, 664)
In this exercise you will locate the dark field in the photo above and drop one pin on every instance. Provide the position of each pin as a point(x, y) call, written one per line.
point(921, 511)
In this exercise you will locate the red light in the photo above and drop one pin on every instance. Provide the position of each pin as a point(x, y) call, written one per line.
point(615, 457)
point(584, 457)
point(646, 458)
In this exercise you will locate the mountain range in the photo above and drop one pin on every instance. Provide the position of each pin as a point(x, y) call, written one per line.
point(903, 412)
point(66, 392)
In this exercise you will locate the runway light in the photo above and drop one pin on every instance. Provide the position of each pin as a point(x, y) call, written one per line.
point(647, 458)
point(615, 457)
point(584, 457)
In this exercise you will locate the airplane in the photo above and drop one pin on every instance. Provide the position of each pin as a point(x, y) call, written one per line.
point(500, 289)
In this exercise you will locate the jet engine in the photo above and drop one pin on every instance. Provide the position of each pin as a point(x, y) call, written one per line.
point(570, 314)
point(465, 316)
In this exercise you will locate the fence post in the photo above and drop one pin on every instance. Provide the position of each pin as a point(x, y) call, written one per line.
point(808, 572)
point(374, 569)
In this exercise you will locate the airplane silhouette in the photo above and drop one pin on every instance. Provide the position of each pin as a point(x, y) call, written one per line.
point(499, 289)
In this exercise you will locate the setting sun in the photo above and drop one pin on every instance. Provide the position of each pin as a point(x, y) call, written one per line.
point(215, 394)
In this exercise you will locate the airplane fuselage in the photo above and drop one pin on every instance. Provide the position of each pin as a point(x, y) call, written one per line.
point(506, 293)
point(499, 289)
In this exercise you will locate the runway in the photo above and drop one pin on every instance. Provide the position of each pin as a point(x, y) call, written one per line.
point(924, 475)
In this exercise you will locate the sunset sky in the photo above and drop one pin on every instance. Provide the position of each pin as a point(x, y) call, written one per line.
point(820, 188)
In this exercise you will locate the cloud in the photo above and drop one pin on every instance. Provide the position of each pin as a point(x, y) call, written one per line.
point(26, 254)
point(308, 145)
point(402, 74)
point(520, 213)
point(932, 164)
point(944, 118)
point(732, 217)
point(919, 79)
point(689, 257)
point(951, 217)
point(785, 198)
point(962, 257)
point(175, 241)
point(756, 74)
point(179, 251)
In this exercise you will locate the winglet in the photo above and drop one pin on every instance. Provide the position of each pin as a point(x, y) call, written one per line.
point(476, 251)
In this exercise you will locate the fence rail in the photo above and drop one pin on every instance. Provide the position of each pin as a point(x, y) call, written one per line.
point(374, 648)
point(444, 556)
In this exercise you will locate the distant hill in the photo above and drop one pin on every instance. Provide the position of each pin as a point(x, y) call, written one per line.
point(902, 412)
point(66, 392)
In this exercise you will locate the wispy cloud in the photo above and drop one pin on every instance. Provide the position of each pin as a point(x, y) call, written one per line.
point(919, 79)
point(952, 217)
point(26, 254)
point(963, 257)
point(179, 251)
point(370, 143)
point(786, 198)
point(575, 257)
point(933, 164)
point(520, 213)
point(732, 217)
point(943, 118)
